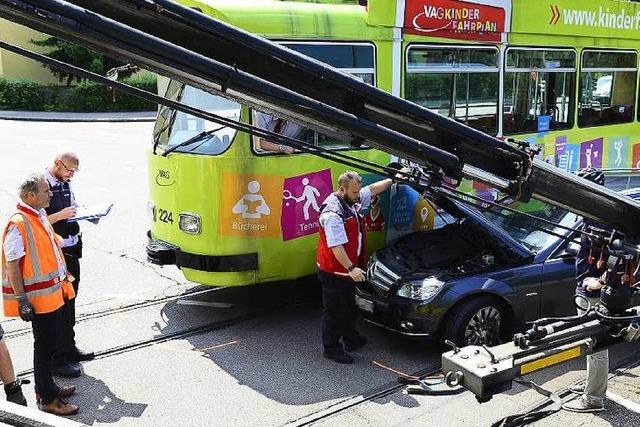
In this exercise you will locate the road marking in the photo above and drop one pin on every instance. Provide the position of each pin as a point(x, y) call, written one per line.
point(205, 303)
point(632, 406)
point(402, 374)
point(213, 347)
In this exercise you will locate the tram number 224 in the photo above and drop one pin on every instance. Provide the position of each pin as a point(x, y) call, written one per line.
point(162, 215)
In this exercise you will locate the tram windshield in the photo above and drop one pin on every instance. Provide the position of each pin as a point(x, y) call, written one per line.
point(175, 127)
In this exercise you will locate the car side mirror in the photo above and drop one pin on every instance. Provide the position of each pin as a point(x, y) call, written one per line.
point(570, 252)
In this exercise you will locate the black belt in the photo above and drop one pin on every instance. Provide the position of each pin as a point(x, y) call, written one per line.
point(75, 250)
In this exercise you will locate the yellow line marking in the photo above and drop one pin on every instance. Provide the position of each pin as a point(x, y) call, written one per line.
point(550, 360)
point(395, 371)
point(213, 347)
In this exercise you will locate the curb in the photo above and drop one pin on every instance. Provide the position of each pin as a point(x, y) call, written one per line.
point(18, 415)
point(42, 116)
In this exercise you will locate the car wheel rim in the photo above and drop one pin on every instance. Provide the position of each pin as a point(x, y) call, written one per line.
point(484, 327)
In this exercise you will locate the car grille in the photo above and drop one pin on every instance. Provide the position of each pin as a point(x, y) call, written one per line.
point(381, 277)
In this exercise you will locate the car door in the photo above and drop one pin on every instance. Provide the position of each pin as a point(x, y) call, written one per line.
point(558, 285)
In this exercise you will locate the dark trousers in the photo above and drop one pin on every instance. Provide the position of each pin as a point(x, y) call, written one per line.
point(46, 338)
point(68, 311)
point(338, 311)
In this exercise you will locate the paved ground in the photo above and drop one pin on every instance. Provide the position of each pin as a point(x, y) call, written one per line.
point(46, 116)
point(175, 353)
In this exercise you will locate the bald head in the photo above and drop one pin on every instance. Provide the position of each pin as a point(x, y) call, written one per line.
point(65, 166)
point(68, 157)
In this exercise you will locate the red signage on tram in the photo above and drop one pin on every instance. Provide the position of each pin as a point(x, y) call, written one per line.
point(455, 19)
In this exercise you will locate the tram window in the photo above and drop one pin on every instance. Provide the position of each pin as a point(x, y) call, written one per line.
point(457, 82)
point(355, 59)
point(607, 88)
point(206, 137)
point(539, 90)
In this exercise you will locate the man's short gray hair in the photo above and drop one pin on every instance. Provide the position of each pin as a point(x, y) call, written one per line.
point(29, 185)
point(346, 177)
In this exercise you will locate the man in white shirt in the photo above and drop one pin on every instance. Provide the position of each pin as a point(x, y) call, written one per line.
point(37, 291)
point(341, 260)
point(63, 206)
point(280, 126)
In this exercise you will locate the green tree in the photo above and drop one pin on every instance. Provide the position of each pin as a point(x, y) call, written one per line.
point(74, 54)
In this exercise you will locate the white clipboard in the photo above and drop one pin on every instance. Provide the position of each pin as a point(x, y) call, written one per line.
point(91, 212)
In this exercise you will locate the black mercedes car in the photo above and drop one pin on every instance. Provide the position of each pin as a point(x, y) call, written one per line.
point(478, 277)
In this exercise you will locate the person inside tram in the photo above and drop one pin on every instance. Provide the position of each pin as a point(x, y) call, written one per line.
point(280, 126)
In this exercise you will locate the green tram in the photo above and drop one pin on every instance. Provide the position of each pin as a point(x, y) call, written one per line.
point(562, 76)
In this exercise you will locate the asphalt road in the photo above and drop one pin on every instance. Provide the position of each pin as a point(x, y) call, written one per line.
point(175, 353)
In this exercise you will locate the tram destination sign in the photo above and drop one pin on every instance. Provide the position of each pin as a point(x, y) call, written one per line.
point(482, 20)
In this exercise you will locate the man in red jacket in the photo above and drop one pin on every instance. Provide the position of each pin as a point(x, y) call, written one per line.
point(341, 261)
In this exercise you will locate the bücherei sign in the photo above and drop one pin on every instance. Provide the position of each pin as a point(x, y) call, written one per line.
point(481, 20)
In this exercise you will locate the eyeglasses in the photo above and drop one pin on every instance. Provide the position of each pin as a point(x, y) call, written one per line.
point(68, 170)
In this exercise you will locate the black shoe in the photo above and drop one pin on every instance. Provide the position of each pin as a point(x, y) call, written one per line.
point(353, 345)
point(79, 356)
point(338, 356)
point(67, 369)
point(14, 392)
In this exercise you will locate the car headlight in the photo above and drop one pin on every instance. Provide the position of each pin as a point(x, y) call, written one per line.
point(420, 290)
point(190, 223)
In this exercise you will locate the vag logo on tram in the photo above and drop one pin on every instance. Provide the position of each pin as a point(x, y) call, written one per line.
point(163, 178)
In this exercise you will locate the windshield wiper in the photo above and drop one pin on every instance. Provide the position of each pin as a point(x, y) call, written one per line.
point(191, 140)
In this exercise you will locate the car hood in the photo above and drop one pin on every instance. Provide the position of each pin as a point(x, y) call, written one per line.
point(460, 209)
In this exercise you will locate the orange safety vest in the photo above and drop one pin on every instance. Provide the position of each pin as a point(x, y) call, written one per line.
point(39, 267)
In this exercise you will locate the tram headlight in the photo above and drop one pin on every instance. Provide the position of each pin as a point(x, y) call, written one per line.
point(150, 211)
point(190, 223)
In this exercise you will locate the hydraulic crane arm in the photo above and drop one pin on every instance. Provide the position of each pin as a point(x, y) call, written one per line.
point(64, 20)
point(267, 60)
point(198, 50)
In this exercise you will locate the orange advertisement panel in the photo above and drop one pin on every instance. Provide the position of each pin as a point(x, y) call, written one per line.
point(250, 205)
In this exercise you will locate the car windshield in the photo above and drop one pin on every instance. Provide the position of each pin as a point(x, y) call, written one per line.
point(528, 231)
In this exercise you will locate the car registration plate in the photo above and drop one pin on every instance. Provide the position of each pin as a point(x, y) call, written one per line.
point(364, 304)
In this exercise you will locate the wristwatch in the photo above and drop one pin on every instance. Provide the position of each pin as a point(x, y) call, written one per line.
point(351, 268)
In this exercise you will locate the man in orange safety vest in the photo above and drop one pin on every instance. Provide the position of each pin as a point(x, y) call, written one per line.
point(35, 285)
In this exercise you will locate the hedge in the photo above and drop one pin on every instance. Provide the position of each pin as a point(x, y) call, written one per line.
point(21, 95)
point(86, 96)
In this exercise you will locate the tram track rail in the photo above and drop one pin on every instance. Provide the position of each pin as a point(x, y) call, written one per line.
point(350, 403)
point(188, 332)
point(124, 309)
point(355, 401)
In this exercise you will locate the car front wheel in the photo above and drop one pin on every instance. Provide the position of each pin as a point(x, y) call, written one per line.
point(476, 322)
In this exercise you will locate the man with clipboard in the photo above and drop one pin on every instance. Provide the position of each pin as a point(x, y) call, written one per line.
point(61, 208)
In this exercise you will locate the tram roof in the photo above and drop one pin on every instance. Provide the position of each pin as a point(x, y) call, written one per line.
point(291, 19)
point(549, 22)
